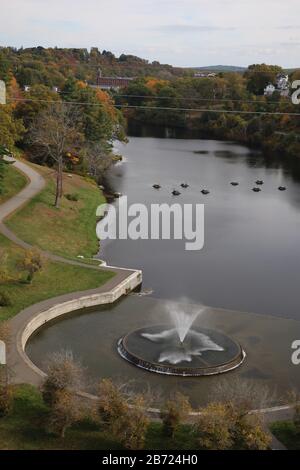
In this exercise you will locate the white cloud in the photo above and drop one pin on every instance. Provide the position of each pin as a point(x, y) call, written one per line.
point(181, 32)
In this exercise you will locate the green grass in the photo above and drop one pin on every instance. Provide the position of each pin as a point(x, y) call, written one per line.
point(69, 231)
point(13, 182)
point(53, 280)
point(285, 432)
point(24, 429)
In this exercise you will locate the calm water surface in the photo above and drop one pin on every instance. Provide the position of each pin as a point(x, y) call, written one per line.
point(251, 257)
point(250, 262)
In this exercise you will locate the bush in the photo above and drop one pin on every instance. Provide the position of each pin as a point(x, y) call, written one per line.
point(174, 412)
point(5, 300)
point(64, 374)
point(6, 399)
point(72, 197)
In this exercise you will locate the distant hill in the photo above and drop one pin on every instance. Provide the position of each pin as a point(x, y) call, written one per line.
point(221, 68)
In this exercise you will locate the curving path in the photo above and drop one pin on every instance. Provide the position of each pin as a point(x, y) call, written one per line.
point(20, 367)
point(36, 183)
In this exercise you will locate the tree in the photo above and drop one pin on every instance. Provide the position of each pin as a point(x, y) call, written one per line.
point(112, 405)
point(97, 159)
point(259, 76)
point(11, 130)
point(174, 412)
point(6, 398)
point(64, 413)
point(294, 400)
point(248, 432)
point(56, 132)
point(31, 263)
point(123, 416)
point(64, 374)
point(213, 427)
point(134, 425)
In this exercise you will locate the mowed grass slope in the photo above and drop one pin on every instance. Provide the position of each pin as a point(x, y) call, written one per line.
point(24, 429)
point(69, 231)
point(14, 181)
point(286, 432)
point(54, 279)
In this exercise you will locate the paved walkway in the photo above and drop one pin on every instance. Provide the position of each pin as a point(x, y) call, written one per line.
point(122, 276)
point(35, 185)
point(27, 374)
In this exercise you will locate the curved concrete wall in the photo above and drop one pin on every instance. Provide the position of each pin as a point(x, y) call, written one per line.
point(27, 322)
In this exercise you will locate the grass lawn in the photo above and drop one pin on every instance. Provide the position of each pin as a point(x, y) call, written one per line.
point(285, 432)
point(54, 279)
point(68, 231)
point(13, 182)
point(23, 429)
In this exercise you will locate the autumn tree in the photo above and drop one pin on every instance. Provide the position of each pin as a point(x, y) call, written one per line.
point(123, 416)
point(259, 76)
point(31, 263)
point(111, 405)
point(64, 374)
point(174, 412)
point(65, 412)
point(213, 427)
point(55, 131)
point(11, 129)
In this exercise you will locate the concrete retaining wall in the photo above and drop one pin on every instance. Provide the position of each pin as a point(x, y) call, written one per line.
point(24, 325)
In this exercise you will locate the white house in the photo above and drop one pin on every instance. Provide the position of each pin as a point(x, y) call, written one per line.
point(269, 90)
point(281, 85)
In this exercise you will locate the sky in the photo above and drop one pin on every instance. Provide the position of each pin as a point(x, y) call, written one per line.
point(178, 32)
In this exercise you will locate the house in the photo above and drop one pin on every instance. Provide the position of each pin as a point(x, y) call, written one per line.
point(108, 83)
point(269, 90)
point(204, 75)
point(281, 85)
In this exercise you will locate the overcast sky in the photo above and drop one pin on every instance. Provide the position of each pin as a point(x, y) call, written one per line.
point(179, 32)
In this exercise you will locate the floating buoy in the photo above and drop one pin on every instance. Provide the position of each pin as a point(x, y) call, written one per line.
point(259, 182)
point(282, 188)
point(234, 183)
point(184, 185)
point(256, 190)
point(156, 186)
point(205, 191)
point(175, 193)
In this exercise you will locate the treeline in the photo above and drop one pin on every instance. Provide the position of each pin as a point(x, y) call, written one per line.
point(88, 113)
point(52, 66)
point(229, 102)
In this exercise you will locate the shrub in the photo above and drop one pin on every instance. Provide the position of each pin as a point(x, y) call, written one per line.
point(174, 412)
point(6, 399)
point(63, 374)
point(72, 197)
point(5, 300)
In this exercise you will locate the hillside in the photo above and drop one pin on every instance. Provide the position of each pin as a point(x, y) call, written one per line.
point(52, 66)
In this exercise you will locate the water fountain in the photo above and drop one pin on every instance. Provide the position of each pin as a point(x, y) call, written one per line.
point(181, 348)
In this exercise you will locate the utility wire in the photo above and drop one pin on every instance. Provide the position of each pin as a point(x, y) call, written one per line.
point(159, 108)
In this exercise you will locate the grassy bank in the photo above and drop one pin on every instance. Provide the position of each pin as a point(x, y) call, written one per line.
point(54, 279)
point(13, 183)
point(285, 431)
point(69, 231)
point(23, 429)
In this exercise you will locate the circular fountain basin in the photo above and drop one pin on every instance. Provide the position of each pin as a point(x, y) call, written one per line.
point(203, 352)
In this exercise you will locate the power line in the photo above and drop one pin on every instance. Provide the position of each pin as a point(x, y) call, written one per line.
point(160, 108)
point(195, 99)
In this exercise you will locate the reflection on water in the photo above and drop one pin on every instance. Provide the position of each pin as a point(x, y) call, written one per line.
point(251, 256)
